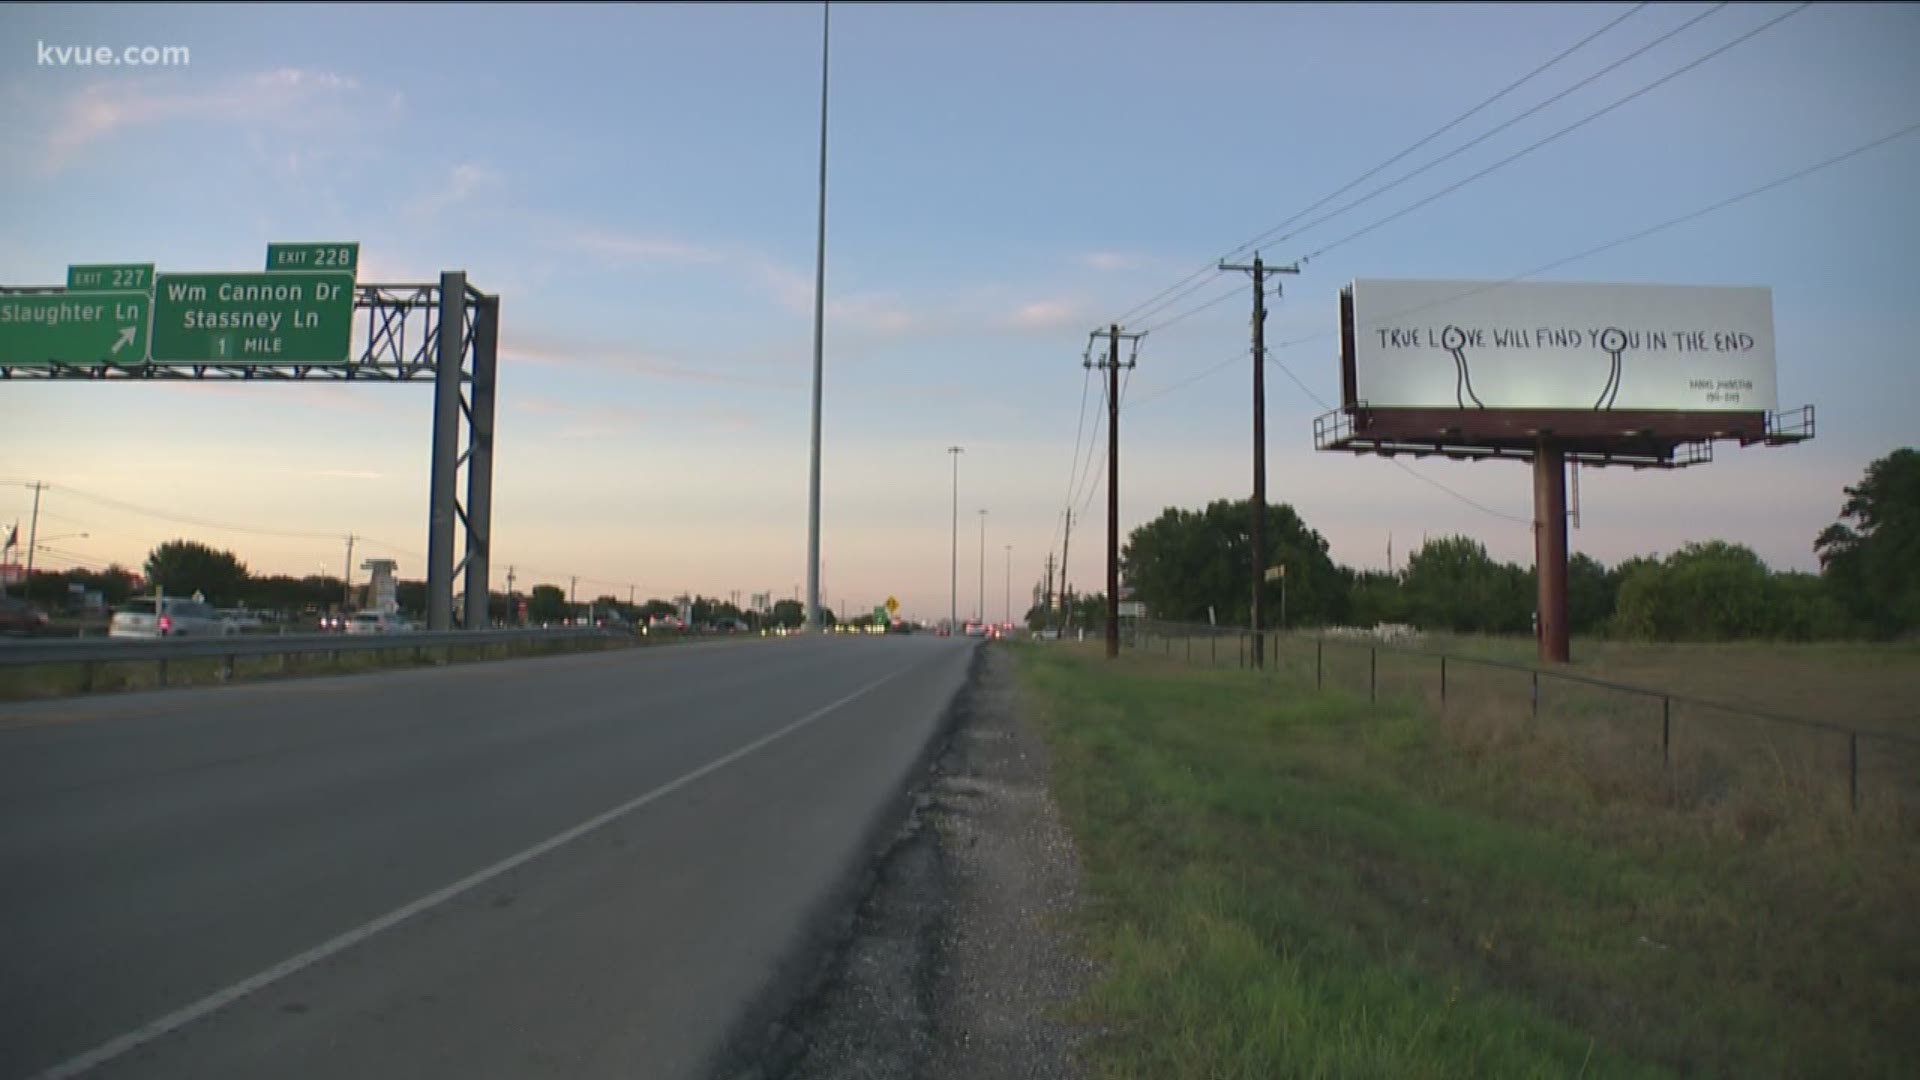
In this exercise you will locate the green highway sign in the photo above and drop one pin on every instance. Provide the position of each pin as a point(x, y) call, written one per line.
point(75, 328)
point(342, 256)
point(253, 318)
point(880, 615)
point(136, 276)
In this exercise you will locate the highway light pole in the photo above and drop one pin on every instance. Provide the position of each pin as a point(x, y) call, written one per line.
point(980, 605)
point(1006, 581)
point(953, 588)
point(819, 315)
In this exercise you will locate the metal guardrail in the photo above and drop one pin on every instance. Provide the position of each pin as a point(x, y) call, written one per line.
point(122, 650)
point(1168, 632)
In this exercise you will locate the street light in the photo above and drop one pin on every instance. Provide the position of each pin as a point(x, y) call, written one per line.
point(980, 607)
point(1006, 582)
point(953, 587)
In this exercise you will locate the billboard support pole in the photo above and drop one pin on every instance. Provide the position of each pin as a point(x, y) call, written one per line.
point(1550, 550)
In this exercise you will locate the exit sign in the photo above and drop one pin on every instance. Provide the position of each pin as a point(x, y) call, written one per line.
point(339, 256)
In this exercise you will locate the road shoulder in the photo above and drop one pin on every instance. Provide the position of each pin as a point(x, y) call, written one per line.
point(960, 961)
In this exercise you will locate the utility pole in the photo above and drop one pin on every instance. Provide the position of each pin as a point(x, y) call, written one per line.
point(1258, 534)
point(980, 604)
point(1048, 603)
point(1006, 582)
point(33, 540)
point(953, 586)
point(346, 601)
point(1066, 595)
point(1113, 363)
point(573, 595)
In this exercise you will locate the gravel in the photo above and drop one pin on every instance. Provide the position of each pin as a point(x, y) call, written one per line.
point(960, 963)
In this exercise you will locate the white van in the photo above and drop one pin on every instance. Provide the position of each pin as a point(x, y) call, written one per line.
point(139, 618)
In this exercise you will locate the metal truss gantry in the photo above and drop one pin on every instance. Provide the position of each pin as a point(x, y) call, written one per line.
point(449, 333)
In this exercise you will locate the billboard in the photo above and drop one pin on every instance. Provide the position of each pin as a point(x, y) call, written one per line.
point(1472, 345)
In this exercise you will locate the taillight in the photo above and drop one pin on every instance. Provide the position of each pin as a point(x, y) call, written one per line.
point(166, 624)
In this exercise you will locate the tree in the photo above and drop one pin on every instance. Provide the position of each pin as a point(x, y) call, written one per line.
point(1185, 561)
point(1374, 597)
point(184, 567)
point(788, 613)
point(1590, 594)
point(1871, 556)
point(1712, 591)
point(547, 604)
point(1453, 584)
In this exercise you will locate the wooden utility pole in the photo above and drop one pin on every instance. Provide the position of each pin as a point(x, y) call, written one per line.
point(1113, 364)
point(1066, 594)
point(1258, 533)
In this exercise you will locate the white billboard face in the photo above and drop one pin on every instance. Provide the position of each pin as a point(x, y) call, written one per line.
point(1551, 345)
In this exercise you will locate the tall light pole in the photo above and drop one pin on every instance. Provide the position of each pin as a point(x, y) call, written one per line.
point(953, 589)
point(1006, 581)
point(819, 316)
point(980, 606)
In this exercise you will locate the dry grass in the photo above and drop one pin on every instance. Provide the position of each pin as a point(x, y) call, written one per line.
point(1302, 883)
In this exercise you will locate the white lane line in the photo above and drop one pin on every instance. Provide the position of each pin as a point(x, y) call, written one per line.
point(106, 1052)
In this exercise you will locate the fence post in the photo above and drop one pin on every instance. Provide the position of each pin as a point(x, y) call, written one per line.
point(1666, 731)
point(1853, 770)
point(1373, 670)
point(1443, 679)
point(1536, 695)
point(1319, 647)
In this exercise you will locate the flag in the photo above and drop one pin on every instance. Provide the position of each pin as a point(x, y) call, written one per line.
point(13, 536)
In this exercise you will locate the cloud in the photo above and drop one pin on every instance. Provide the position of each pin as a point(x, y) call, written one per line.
point(1110, 260)
point(578, 420)
point(604, 358)
point(287, 97)
point(463, 181)
point(627, 248)
point(1046, 315)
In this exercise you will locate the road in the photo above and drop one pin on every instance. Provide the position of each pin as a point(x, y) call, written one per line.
point(577, 866)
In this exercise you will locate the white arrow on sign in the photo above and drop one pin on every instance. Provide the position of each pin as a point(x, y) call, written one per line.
point(126, 338)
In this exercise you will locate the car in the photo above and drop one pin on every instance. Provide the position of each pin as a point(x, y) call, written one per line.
point(241, 620)
point(21, 618)
point(378, 622)
point(148, 617)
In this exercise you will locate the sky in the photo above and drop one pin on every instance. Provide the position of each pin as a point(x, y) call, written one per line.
point(637, 184)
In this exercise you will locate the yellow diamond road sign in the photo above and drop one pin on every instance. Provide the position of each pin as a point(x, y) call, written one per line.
point(893, 606)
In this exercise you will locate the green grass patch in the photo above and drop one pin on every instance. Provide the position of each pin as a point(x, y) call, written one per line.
point(1292, 883)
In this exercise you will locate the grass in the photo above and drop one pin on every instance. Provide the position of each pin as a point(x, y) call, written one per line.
point(63, 680)
point(1291, 883)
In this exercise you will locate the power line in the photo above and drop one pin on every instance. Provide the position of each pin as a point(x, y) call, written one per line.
point(1639, 234)
point(1576, 125)
point(1073, 459)
point(1161, 299)
point(1497, 129)
point(182, 519)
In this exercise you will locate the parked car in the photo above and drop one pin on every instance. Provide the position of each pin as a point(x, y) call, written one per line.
point(166, 617)
point(378, 622)
point(19, 617)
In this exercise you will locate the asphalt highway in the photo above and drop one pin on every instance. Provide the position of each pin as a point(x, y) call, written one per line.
point(579, 866)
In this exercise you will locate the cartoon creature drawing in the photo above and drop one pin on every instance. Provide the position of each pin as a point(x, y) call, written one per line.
point(1454, 340)
point(1613, 341)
